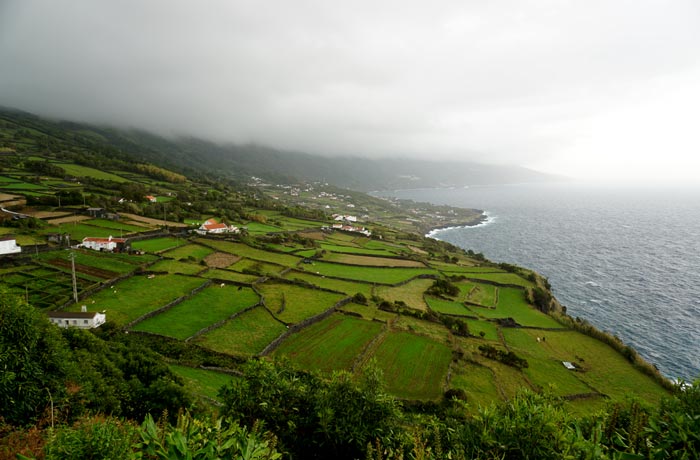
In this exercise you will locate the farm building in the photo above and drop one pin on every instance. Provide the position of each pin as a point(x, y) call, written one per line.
point(105, 244)
point(8, 245)
point(213, 226)
point(79, 319)
point(151, 198)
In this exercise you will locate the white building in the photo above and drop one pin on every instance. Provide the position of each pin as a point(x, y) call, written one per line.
point(8, 245)
point(79, 319)
point(214, 226)
point(104, 244)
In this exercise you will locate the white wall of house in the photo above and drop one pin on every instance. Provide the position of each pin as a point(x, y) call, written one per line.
point(9, 247)
point(81, 322)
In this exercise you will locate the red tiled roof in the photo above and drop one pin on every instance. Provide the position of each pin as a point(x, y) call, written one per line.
point(214, 226)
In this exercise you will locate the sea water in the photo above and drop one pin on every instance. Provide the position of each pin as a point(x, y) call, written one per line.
point(627, 260)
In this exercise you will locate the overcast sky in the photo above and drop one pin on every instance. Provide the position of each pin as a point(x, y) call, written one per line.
point(594, 89)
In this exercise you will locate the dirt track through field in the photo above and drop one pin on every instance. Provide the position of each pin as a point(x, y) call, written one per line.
point(68, 220)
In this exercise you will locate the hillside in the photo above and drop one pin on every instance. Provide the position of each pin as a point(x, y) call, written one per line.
point(436, 321)
point(239, 162)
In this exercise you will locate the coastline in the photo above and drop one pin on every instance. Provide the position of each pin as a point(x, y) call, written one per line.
point(484, 219)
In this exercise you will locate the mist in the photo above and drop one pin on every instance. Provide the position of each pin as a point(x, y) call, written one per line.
point(601, 91)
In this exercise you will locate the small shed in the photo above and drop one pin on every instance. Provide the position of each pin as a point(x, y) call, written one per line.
point(569, 365)
point(8, 245)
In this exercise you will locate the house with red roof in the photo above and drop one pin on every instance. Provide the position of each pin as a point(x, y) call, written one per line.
point(213, 226)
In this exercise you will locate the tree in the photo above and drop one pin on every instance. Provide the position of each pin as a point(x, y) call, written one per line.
point(34, 362)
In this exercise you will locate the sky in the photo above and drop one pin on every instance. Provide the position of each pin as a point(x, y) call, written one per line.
point(597, 90)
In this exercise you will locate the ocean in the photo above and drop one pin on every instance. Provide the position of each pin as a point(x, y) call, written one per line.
point(627, 260)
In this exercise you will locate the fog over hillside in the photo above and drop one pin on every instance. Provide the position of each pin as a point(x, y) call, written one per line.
point(596, 90)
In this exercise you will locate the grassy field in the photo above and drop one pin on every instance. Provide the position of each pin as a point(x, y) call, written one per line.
point(158, 244)
point(84, 171)
point(256, 228)
point(175, 266)
point(243, 250)
point(102, 261)
point(489, 329)
point(435, 331)
point(247, 334)
point(411, 293)
point(332, 344)
point(207, 307)
point(368, 274)
point(348, 287)
point(78, 231)
point(482, 294)
point(353, 259)
point(194, 251)
point(355, 250)
point(512, 304)
point(217, 273)
point(299, 302)
point(369, 312)
point(115, 225)
point(256, 267)
point(201, 381)
point(448, 307)
point(414, 367)
point(139, 295)
point(603, 368)
point(478, 382)
point(501, 278)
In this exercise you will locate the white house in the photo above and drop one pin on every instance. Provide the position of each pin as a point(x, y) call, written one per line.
point(80, 319)
point(8, 245)
point(104, 244)
point(214, 226)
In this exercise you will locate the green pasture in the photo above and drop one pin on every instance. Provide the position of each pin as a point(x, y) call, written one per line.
point(205, 308)
point(379, 275)
point(369, 312)
point(513, 304)
point(379, 246)
point(243, 250)
point(228, 275)
point(78, 231)
point(292, 304)
point(348, 287)
point(448, 307)
point(101, 260)
point(195, 251)
point(435, 331)
point(138, 295)
point(158, 244)
point(478, 382)
point(604, 369)
point(114, 225)
point(481, 294)
point(84, 171)
point(296, 224)
point(201, 381)
point(356, 259)
point(256, 228)
point(24, 186)
point(247, 334)
point(254, 266)
point(355, 250)
point(331, 344)
point(501, 278)
point(412, 293)
point(175, 266)
point(489, 329)
point(287, 247)
point(414, 367)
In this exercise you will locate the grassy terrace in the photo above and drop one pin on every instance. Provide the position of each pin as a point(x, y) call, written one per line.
point(115, 226)
point(194, 251)
point(228, 275)
point(379, 275)
point(352, 259)
point(202, 382)
point(247, 334)
point(138, 295)
point(243, 250)
point(448, 307)
point(207, 307)
point(348, 287)
point(116, 263)
point(249, 266)
point(332, 344)
point(84, 171)
point(411, 293)
point(175, 266)
point(512, 304)
point(482, 294)
point(355, 250)
point(501, 278)
point(292, 304)
point(158, 244)
point(414, 367)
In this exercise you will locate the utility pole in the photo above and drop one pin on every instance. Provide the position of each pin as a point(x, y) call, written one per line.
point(75, 283)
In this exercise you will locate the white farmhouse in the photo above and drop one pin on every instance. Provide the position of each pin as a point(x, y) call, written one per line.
point(79, 319)
point(214, 226)
point(104, 244)
point(8, 245)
